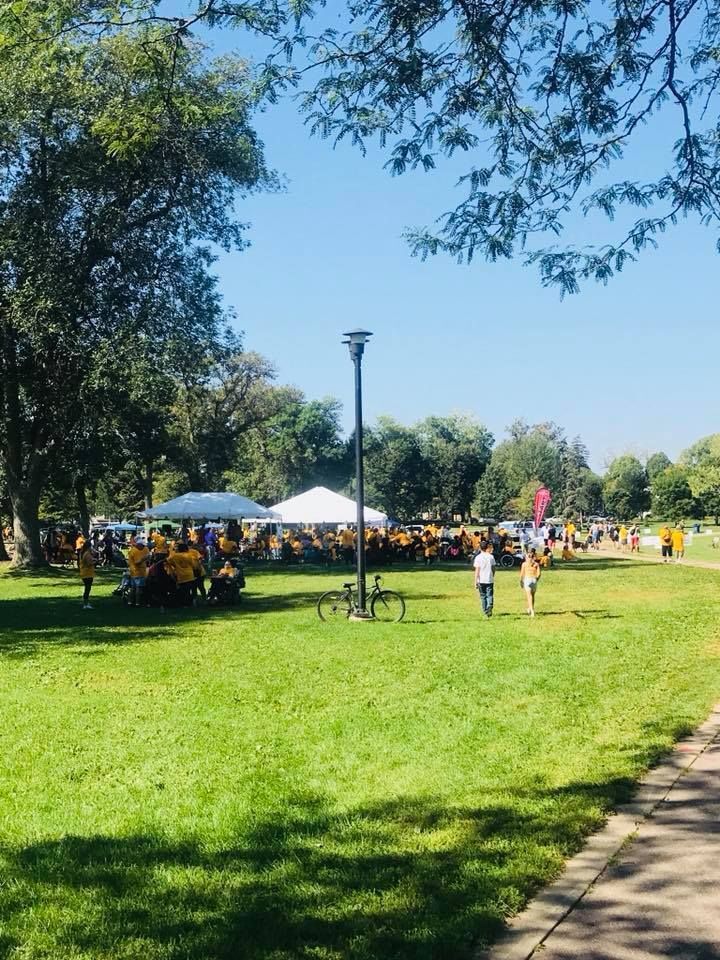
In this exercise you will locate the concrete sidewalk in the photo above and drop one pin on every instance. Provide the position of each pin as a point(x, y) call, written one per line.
point(656, 889)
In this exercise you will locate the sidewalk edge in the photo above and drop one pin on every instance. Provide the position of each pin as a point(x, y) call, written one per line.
point(529, 929)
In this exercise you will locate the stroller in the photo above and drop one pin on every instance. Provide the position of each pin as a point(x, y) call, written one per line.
point(225, 591)
point(123, 589)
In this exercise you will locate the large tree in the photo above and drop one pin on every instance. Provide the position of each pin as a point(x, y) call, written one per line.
point(702, 461)
point(299, 447)
point(672, 498)
point(625, 488)
point(531, 453)
point(116, 153)
point(396, 470)
point(457, 450)
point(656, 464)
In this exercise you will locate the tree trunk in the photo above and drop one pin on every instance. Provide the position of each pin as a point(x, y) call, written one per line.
point(3, 552)
point(148, 485)
point(83, 509)
point(26, 503)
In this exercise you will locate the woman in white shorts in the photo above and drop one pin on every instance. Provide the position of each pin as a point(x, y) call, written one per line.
point(529, 577)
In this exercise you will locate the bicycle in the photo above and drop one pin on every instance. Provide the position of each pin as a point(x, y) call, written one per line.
point(385, 605)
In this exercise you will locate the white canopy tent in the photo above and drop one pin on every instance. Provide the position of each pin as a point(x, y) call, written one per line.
point(209, 506)
point(322, 506)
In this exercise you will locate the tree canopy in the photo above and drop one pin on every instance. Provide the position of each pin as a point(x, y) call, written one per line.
point(548, 101)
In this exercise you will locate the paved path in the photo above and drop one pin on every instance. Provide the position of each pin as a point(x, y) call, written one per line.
point(611, 553)
point(660, 895)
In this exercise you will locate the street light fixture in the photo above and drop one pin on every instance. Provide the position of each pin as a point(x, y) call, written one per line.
point(356, 340)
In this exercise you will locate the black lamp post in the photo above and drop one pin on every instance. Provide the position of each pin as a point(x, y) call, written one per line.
point(356, 340)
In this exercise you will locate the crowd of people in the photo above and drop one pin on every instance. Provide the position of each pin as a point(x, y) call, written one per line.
point(166, 570)
point(170, 567)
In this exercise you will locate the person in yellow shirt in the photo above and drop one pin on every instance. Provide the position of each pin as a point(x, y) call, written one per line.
point(623, 537)
point(570, 530)
point(329, 544)
point(274, 547)
point(184, 569)
point(79, 542)
point(347, 545)
point(159, 545)
point(137, 568)
point(227, 546)
point(431, 548)
point(665, 535)
point(86, 569)
point(678, 543)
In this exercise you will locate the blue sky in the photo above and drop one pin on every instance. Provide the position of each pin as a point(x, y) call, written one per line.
point(631, 366)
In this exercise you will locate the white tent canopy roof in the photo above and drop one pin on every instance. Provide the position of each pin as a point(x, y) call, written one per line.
point(209, 506)
point(321, 505)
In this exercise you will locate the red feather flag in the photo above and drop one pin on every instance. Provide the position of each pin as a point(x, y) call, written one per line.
point(542, 501)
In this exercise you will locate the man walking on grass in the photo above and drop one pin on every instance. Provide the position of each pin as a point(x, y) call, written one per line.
point(484, 564)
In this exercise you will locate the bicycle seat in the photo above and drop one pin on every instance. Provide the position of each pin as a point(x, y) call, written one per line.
point(346, 585)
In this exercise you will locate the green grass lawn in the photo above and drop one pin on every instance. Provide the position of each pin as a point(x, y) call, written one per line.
point(254, 784)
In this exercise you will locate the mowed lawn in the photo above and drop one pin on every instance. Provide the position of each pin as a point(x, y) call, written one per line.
point(253, 784)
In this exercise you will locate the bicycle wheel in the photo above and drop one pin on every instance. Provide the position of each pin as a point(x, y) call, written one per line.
point(388, 606)
point(333, 605)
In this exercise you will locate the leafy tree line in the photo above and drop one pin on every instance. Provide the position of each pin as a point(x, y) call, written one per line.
point(689, 488)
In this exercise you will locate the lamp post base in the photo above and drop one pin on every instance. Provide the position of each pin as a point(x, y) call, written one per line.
point(361, 615)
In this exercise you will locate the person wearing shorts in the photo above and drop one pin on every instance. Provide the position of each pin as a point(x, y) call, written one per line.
point(635, 539)
point(678, 543)
point(665, 543)
point(529, 576)
point(137, 568)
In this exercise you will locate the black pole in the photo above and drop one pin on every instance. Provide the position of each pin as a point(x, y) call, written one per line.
point(357, 350)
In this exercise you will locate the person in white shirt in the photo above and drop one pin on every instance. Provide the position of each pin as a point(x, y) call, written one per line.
point(484, 564)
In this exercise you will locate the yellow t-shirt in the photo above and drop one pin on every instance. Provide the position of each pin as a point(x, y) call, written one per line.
point(183, 565)
point(137, 561)
point(571, 528)
point(623, 533)
point(159, 542)
point(86, 565)
point(678, 540)
point(347, 538)
point(665, 536)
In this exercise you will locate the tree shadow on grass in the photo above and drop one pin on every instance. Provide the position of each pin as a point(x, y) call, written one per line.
point(598, 563)
point(408, 878)
point(33, 624)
